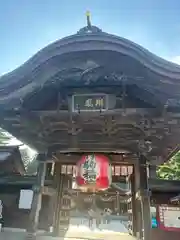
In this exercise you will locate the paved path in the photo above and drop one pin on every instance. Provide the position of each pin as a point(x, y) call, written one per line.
point(21, 236)
point(114, 230)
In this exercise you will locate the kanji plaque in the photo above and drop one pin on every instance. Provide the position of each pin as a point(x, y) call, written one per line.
point(89, 102)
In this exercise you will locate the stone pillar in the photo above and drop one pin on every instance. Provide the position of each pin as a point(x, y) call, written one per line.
point(37, 197)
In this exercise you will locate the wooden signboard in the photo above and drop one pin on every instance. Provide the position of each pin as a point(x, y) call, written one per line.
point(25, 200)
point(89, 102)
point(169, 218)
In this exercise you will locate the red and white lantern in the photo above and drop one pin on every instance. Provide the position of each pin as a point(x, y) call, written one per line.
point(93, 173)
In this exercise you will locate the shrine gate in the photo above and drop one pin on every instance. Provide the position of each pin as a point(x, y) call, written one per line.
point(91, 93)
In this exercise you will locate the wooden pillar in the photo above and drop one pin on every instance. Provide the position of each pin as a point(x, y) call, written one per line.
point(62, 205)
point(152, 171)
point(139, 220)
point(144, 195)
point(134, 207)
point(48, 170)
point(138, 209)
point(57, 183)
point(37, 197)
point(50, 206)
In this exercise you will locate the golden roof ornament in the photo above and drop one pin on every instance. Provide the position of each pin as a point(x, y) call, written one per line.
point(89, 28)
point(88, 17)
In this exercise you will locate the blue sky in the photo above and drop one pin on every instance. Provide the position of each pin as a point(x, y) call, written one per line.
point(28, 25)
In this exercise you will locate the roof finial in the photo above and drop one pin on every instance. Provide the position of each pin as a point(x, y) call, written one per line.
point(88, 16)
point(89, 28)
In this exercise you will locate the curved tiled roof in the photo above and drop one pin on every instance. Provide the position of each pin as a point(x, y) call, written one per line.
point(23, 80)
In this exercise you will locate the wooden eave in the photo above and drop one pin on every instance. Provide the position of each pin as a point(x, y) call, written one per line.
point(173, 152)
point(78, 57)
point(14, 159)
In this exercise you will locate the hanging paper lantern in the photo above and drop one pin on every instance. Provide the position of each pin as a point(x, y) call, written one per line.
point(93, 172)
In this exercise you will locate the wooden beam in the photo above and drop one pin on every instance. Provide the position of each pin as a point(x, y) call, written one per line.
point(49, 191)
point(162, 185)
point(21, 180)
point(128, 112)
point(95, 146)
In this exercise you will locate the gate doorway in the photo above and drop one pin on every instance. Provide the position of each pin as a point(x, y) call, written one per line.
point(96, 209)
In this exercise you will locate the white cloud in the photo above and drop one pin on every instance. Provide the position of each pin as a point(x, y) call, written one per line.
point(175, 59)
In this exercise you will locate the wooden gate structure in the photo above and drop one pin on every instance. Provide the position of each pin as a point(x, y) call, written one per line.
point(113, 199)
point(94, 92)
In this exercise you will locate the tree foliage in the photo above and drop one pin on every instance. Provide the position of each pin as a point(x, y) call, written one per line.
point(171, 169)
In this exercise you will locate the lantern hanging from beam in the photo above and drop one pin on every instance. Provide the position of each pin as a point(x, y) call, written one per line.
point(93, 173)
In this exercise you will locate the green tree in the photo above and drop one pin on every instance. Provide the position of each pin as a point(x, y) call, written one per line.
point(171, 169)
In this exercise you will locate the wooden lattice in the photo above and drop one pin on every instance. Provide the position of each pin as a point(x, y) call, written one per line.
point(116, 170)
